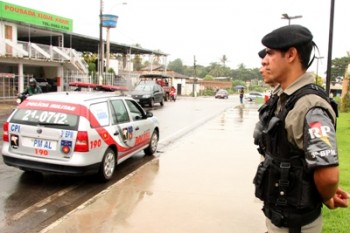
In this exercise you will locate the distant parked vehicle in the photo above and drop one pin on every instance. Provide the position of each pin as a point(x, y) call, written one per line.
point(148, 93)
point(221, 94)
point(251, 96)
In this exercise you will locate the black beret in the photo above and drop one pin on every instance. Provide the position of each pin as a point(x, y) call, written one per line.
point(287, 36)
point(262, 53)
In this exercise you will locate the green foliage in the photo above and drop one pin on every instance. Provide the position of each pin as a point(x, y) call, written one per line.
point(90, 57)
point(208, 77)
point(176, 66)
point(223, 60)
point(218, 70)
point(345, 103)
point(207, 92)
point(337, 220)
point(339, 65)
point(243, 73)
point(137, 62)
point(319, 81)
point(92, 68)
point(111, 70)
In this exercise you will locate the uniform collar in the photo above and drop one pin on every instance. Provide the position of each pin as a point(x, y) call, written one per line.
point(303, 80)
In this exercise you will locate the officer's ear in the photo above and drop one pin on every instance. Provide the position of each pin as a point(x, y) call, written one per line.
point(292, 54)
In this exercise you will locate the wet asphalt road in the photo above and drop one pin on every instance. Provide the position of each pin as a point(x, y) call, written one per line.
point(30, 202)
point(202, 183)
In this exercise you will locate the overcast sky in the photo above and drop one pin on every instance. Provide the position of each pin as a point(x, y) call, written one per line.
point(207, 29)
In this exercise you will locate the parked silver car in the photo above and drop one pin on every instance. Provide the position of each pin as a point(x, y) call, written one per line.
point(251, 96)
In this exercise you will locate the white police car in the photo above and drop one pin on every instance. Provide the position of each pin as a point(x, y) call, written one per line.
point(77, 133)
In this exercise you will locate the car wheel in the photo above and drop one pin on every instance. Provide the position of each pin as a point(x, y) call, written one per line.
point(153, 144)
point(108, 165)
point(151, 103)
point(161, 103)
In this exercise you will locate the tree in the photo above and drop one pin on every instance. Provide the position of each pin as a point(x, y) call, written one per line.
point(223, 60)
point(208, 77)
point(319, 80)
point(338, 66)
point(244, 74)
point(217, 70)
point(176, 66)
point(137, 62)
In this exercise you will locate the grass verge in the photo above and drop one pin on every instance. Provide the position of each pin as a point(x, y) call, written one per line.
point(338, 220)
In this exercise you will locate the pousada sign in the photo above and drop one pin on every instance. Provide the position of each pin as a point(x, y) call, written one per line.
point(34, 17)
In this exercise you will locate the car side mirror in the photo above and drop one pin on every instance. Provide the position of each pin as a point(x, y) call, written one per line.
point(149, 114)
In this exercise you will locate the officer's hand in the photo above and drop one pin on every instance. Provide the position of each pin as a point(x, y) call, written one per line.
point(340, 199)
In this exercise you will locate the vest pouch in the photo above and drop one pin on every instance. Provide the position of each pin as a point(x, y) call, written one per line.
point(302, 191)
point(270, 135)
point(260, 181)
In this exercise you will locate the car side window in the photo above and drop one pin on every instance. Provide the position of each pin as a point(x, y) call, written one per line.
point(100, 112)
point(120, 114)
point(136, 111)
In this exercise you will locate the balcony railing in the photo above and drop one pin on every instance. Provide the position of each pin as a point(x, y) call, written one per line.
point(31, 50)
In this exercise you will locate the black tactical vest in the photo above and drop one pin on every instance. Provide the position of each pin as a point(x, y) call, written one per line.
point(282, 180)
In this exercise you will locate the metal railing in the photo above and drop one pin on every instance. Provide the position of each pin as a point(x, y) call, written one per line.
point(9, 85)
point(31, 50)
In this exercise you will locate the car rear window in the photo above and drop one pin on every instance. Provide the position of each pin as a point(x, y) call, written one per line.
point(46, 118)
point(144, 88)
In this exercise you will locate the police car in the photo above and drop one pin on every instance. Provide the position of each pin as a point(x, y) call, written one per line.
point(76, 133)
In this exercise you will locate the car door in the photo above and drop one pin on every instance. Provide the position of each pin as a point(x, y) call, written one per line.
point(158, 93)
point(143, 125)
point(122, 129)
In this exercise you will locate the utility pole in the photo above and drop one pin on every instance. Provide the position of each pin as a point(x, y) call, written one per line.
point(101, 48)
point(330, 43)
point(195, 75)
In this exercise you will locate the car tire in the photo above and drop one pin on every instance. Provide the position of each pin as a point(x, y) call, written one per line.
point(161, 103)
point(151, 103)
point(153, 144)
point(108, 165)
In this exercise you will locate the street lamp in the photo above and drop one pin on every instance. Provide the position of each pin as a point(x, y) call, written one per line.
point(286, 16)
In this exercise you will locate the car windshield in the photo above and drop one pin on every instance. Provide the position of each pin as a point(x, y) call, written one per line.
point(144, 88)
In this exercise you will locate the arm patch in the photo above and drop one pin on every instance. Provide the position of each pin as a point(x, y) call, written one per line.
point(319, 139)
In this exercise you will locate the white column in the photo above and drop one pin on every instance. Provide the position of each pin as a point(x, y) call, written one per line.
point(20, 78)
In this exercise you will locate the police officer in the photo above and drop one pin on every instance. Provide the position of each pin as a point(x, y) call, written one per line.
point(300, 169)
point(265, 75)
point(32, 89)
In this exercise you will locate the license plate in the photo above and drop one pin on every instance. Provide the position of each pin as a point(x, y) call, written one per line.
point(44, 144)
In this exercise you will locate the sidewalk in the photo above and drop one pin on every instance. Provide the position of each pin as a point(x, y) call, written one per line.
point(200, 184)
point(6, 108)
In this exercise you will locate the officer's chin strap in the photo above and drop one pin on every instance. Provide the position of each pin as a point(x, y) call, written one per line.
point(295, 230)
point(314, 45)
